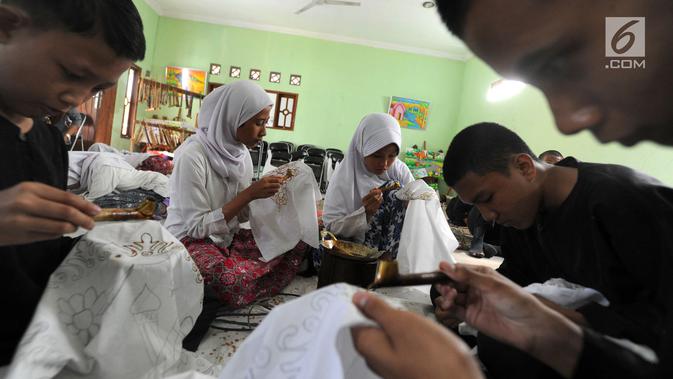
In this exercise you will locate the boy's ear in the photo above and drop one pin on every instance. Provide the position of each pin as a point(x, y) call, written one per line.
point(11, 19)
point(525, 165)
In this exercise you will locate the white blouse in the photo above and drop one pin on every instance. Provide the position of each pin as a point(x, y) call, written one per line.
point(198, 194)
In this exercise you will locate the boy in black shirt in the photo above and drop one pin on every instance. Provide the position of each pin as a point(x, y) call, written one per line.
point(573, 221)
point(54, 55)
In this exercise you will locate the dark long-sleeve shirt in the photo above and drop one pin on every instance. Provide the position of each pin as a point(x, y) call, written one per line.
point(613, 233)
point(38, 156)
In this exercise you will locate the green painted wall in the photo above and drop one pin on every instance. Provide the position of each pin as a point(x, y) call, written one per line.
point(529, 115)
point(340, 82)
point(150, 23)
point(343, 82)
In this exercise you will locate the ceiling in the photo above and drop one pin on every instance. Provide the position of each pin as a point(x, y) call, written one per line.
point(402, 25)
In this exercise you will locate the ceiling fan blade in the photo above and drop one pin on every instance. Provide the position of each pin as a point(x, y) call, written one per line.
point(306, 7)
point(341, 2)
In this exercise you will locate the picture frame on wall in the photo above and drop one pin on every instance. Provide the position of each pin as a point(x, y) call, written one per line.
point(189, 79)
point(410, 113)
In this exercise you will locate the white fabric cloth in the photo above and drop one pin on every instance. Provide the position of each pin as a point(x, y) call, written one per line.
point(567, 294)
point(223, 111)
point(118, 306)
point(343, 212)
point(281, 221)
point(75, 159)
point(426, 237)
point(103, 173)
point(134, 159)
point(573, 296)
point(198, 194)
point(306, 338)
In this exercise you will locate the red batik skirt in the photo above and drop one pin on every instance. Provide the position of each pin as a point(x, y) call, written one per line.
point(237, 274)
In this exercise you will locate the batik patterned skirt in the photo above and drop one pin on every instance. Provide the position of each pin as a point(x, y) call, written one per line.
point(237, 274)
point(386, 225)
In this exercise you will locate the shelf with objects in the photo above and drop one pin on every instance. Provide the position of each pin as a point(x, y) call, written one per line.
point(157, 131)
point(425, 164)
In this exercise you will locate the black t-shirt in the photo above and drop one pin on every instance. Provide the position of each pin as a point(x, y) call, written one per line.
point(38, 156)
point(613, 233)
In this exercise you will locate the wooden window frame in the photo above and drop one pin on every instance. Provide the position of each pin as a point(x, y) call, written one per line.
point(132, 103)
point(280, 94)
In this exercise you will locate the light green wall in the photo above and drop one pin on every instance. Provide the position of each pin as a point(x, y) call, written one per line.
point(150, 22)
point(340, 82)
point(529, 115)
point(343, 82)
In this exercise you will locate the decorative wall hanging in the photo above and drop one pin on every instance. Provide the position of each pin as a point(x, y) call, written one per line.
point(274, 77)
point(235, 72)
point(295, 80)
point(186, 78)
point(215, 69)
point(410, 113)
point(255, 74)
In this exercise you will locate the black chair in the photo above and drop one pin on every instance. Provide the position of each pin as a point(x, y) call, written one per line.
point(336, 158)
point(298, 155)
point(306, 147)
point(290, 144)
point(280, 146)
point(333, 157)
point(316, 152)
point(316, 164)
point(279, 158)
point(259, 155)
point(329, 151)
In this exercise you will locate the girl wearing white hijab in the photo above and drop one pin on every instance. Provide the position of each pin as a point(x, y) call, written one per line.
point(210, 192)
point(353, 203)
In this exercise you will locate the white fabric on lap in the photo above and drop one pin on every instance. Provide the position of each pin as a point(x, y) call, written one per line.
point(118, 306)
point(281, 221)
point(306, 338)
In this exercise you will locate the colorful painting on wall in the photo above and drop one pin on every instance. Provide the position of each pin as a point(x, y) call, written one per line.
point(187, 78)
point(410, 113)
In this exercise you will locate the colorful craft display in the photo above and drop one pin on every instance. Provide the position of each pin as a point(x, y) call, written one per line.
point(425, 164)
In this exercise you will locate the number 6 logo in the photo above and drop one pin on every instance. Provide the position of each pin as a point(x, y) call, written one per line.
point(625, 36)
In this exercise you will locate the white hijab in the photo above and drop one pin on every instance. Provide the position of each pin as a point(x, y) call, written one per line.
point(223, 111)
point(352, 181)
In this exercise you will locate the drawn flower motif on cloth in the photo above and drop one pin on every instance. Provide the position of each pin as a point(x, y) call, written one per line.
point(81, 314)
point(288, 172)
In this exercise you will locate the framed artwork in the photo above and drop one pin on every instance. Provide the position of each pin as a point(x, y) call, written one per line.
point(274, 77)
point(189, 79)
point(235, 72)
point(410, 113)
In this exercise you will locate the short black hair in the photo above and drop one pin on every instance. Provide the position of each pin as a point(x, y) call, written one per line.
point(453, 13)
point(482, 148)
point(117, 20)
point(553, 153)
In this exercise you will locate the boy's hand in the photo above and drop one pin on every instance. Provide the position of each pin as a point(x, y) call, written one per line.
point(409, 346)
point(31, 212)
point(372, 202)
point(496, 306)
